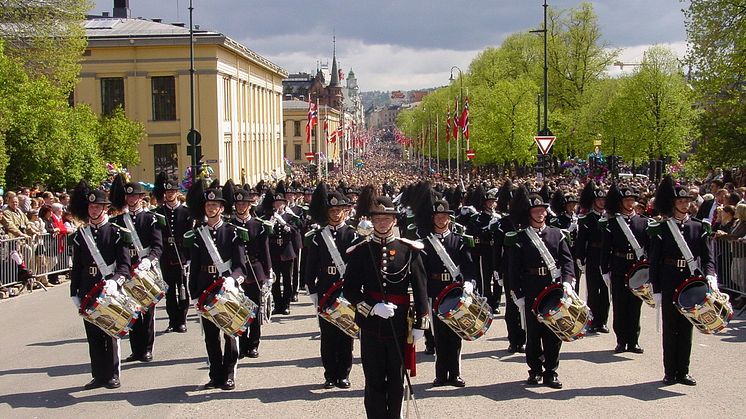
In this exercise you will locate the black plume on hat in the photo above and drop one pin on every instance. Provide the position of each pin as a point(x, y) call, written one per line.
point(365, 201)
point(504, 194)
point(588, 196)
point(215, 184)
point(229, 191)
point(267, 207)
point(79, 201)
point(545, 193)
point(117, 194)
point(614, 200)
point(520, 207)
point(423, 206)
point(558, 202)
point(318, 206)
point(665, 196)
point(195, 200)
point(159, 188)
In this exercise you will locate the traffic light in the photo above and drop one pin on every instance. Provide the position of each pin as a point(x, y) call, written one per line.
point(194, 149)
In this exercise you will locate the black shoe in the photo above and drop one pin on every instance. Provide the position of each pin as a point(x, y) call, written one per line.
point(429, 350)
point(687, 380)
point(242, 355)
point(253, 353)
point(93, 384)
point(635, 349)
point(295, 298)
point(496, 310)
point(457, 382)
point(329, 384)
point(521, 349)
point(147, 357)
point(169, 329)
point(439, 382)
point(277, 311)
point(602, 329)
point(512, 349)
point(343, 383)
point(620, 348)
point(210, 385)
point(552, 382)
point(113, 383)
point(229, 384)
point(669, 380)
point(533, 379)
point(181, 328)
point(591, 330)
point(132, 358)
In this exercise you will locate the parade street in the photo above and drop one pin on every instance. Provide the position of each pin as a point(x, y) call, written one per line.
point(45, 365)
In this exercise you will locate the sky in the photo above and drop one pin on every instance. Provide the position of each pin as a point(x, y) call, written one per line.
point(406, 44)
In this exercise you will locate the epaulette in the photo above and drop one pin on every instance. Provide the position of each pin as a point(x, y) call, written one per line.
point(705, 224)
point(413, 243)
point(242, 233)
point(189, 237)
point(356, 246)
point(459, 229)
point(161, 218)
point(654, 227)
point(468, 240)
point(268, 227)
point(511, 238)
point(566, 235)
point(603, 222)
point(308, 237)
point(124, 233)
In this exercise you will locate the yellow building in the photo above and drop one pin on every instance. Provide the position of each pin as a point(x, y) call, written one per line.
point(143, 65)
point(295, 114)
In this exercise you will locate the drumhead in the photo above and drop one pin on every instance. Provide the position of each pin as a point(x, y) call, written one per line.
point(450, 301)
point(638, 277)
point(693, 294)
point(549, 301)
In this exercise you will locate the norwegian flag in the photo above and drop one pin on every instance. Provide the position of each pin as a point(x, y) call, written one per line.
point(313, 120)
point(456, 121)
point(340, 132)
point(464, 123)
point(448, 126)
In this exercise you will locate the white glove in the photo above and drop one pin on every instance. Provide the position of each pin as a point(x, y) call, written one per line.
point(468, 287)
point(580, 265)
point(417, 334)
point(76, 301)
point(111, 286)
point(286, 228)
point(521, 303)
point(658, 298)
point(713, 281)
point(496, 278)
point(314, 299)
point(145, 264)
point(607, 279)
point(568, 287)
point(384, 310)
point(194, 302)
point(230, 284)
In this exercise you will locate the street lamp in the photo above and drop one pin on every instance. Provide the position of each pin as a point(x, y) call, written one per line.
point(461, 98)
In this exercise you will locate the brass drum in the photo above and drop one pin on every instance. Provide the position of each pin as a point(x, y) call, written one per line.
point(231, 311)
point(334, 308)
point(467, 314)
point(113, 313)
point(563, 313)
point(638, 282)
point(146, 287)
point(708, 310)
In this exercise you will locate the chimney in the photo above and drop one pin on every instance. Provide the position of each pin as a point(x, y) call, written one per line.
point(121, 8)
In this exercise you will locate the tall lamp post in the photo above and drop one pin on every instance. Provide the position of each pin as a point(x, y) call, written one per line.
point(460, 98)
point(545, 130)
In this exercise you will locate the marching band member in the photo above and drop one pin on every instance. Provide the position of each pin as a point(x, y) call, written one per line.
point(110, 248)
point(679, 248)
point(588, 252)
point(258, 264)
point(175, 220)
point(145, 251)
point(326, 252)
point(564, 206)
point(625, 239)
point(481, 227)
point(379, 273)
point(539, 256)
point(220, 255)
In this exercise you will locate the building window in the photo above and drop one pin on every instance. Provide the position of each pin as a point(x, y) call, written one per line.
point(297, 152)
point(296, 128)
point(166, 158)
point(112, 94)
point(226, 99)
point(164, 98)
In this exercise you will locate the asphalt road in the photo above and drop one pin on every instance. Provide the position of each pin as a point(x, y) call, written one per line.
point(44, 364)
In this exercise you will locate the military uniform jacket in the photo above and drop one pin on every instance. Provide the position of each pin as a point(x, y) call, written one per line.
point(504, 226)
point(147, 229)
point(617, 252)
point(528, 275)
point(286, 240)
point(174, 223)
point(484, 238)
point(321, 272)
point(590, 236)
point(230, 247)
point(390, 266)
point(438, 276)
point(664, 255)
point(563, 222)
point(256, 247)
point(111, 242)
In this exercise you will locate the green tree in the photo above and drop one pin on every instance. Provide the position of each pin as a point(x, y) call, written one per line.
point(118, 138)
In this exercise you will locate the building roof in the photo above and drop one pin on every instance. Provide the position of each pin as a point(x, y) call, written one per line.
point(110, 29)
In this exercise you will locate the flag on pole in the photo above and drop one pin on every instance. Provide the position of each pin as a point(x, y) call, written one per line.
point(455, 119)
point(313, 120)
point(464, 123)
point(448, 126)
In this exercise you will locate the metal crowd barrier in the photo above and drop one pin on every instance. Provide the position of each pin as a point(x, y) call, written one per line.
point(44, 254)
point(730, 262)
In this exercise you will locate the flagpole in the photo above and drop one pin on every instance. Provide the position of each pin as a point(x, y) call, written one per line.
point(429, 147)
point(458, 145)
point(318, 143)
point(437, 143)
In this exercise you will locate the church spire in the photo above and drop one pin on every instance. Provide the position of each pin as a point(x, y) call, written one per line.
point(334, 82)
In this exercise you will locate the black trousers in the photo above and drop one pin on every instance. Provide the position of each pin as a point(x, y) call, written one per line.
point(104, 352)
point(222, 361)
point(142, 335)
point(176, 307)
point(296, 274)
point(447, 351)
point(282, 296)
point(336, 351)
point(384, 376)
point(677, 340)
point(598, 294)
point(485, 282)
point(516, 334)
point(250, 339)
point(541, 342)
point(626, 308)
